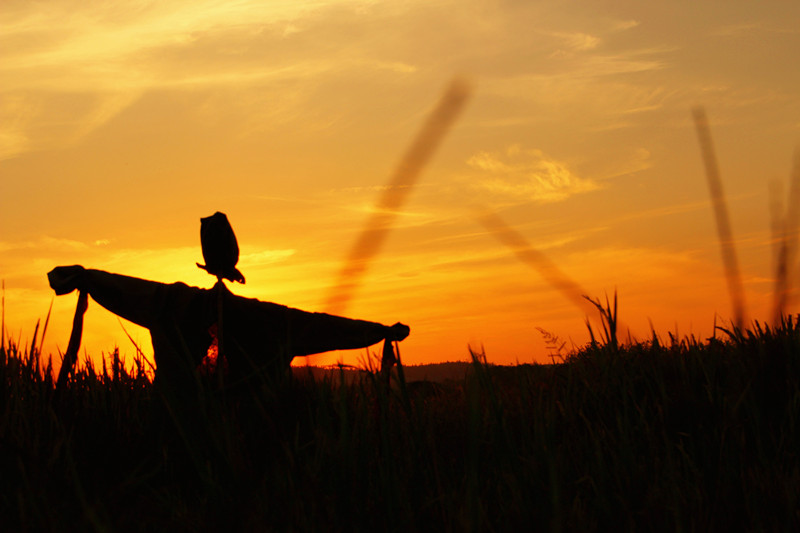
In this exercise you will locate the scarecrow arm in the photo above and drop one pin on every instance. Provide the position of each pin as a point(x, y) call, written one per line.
point(131, 298)
point(312, 333)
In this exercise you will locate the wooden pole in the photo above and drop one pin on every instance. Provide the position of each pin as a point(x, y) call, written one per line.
point(74, 342)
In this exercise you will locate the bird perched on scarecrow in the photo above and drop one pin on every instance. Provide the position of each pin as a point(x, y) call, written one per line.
point(220, 249)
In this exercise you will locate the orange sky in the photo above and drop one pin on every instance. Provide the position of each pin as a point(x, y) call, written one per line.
point(121, 124)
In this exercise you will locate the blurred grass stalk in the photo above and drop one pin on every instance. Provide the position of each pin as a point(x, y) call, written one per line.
point(3, 319)
point(720, 206)
point(423, 147)
point(785, 230)
point(546, 268)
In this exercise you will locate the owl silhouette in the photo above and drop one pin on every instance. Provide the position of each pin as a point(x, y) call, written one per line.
point(220, 249)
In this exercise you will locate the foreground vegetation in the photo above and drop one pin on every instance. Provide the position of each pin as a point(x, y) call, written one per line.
point(676, 435)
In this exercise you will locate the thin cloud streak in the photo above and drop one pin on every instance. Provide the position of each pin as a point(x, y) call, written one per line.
point(97, 33)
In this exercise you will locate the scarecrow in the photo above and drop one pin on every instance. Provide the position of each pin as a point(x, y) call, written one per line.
point(255, 338)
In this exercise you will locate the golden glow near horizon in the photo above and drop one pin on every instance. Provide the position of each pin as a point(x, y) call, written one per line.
point(122, 124)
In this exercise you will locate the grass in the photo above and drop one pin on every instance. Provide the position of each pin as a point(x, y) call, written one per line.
point(677, 435)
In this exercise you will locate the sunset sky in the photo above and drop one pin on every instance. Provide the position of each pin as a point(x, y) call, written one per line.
point(123, 123)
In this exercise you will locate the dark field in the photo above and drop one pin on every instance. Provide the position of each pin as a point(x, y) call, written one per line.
point(662, 435)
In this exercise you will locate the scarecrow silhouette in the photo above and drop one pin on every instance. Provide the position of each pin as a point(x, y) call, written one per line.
point(255, 338)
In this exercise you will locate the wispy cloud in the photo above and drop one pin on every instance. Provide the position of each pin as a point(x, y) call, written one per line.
point(751, 28)
point(16, 111)
point(46, 244)
point(612, 64)
point(93, 33)
point(527, 175)
point(622, 25)
point(112, 54)
point(574, 42)
point(265, 257)
point(637, 160)
point(608, 87)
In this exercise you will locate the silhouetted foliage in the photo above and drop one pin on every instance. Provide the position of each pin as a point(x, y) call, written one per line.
point(664, 435)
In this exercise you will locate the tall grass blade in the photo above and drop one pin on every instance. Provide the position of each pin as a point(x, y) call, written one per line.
point(3, 325)
point(135, 345)
point(557, 279)
point(609, 321)
point(788, 228)
point(729, 259)
point(400, 186)
point(44, 329)
point(32, 358)
point(776, 220)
